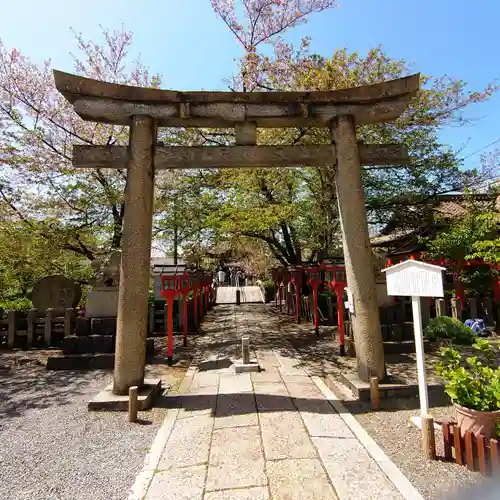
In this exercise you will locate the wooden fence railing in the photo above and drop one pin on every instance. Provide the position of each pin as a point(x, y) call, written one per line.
point(473, 451)
point(30, 327)
point(36, 328)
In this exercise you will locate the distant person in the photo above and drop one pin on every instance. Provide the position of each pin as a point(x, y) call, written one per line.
point(238, 278)
point(221, 275)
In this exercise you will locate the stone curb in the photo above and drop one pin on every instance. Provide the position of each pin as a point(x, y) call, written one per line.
point(398, 479)
point(142, 482)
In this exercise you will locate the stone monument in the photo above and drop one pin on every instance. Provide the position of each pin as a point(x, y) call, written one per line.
point(56, 292)
point(102, 300)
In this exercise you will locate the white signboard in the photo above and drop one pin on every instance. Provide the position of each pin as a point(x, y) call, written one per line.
point(414, 279)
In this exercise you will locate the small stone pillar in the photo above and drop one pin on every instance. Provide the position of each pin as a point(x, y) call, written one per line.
point(245, 350)
point(358, 255)
point(131, 326)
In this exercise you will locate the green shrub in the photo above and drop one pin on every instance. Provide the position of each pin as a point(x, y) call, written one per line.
point(474, 384)
point(446, 328)
point(22, 304)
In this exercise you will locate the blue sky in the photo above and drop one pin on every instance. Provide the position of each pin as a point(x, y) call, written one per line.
point(191, 48)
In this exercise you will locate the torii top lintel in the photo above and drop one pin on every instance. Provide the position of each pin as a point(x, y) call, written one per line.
point(98, 101)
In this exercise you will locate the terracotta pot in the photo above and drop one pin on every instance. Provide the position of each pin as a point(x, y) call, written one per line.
point(478, 422)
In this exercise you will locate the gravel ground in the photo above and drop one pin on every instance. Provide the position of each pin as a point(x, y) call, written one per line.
point(392, 430)
point(52, 448)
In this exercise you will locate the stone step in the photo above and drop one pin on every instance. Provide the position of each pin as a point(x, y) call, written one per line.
point(97, 361)
point(91, 344)
point(403, 347)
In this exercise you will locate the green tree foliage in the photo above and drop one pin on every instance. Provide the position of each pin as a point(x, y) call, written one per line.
point(295, 210)
point(473, 235)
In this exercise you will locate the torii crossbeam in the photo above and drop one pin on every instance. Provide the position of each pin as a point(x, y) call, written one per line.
point(145, 109)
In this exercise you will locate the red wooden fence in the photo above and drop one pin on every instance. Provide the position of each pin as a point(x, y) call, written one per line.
point(473, 451)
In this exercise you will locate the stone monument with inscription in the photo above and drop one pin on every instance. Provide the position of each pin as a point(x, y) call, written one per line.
point(102, 300)
point(56, 292)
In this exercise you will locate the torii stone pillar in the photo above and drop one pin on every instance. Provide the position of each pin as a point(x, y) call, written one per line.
point(131, 332)
point(358, 255)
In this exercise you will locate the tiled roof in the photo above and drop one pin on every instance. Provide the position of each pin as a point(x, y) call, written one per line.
point(451, 206)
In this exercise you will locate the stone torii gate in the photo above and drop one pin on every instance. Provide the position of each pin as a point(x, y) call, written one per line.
point(145, 109)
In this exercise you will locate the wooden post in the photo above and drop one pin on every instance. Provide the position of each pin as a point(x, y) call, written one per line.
point(457, 442)
point(49, 319)
point(245, 350)
point(31, 327)
point(374, 393)
point(447, 445)
point(133, 403)
point(357, 250)
point(69, 318)
point(428, 437)
point(11, 327)
point(131, 324)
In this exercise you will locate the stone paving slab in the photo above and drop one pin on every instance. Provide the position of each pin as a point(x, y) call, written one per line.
point(235, 383)
point(299, 480)
point(259, 493)
point(236, 410)
point(285, 436)
point(359, 477)
point(269, 375)
point(260, 436)
point(236, 459)
point(202, 379)
point(197, 402)
point(178, 484)
point(189, 443)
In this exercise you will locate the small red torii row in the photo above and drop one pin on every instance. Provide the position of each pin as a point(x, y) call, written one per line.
point(336, 281)
point(176, 285)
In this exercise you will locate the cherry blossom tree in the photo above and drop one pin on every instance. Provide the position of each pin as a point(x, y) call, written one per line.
point(83, 210)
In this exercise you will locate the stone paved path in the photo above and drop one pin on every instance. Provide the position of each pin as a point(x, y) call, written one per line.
point(268, 435)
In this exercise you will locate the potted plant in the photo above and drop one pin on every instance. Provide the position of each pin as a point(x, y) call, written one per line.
point(473, 386)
